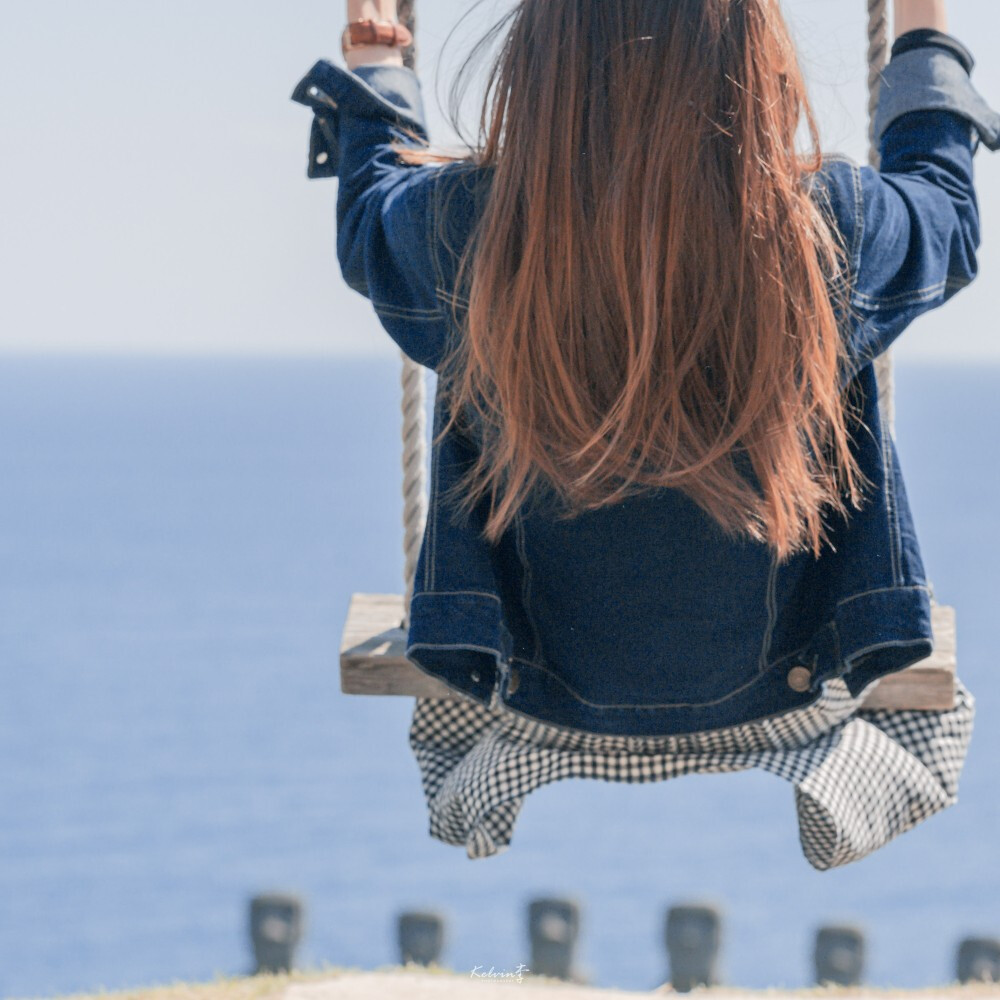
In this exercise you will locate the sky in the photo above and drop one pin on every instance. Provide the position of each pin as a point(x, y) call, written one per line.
point(155, 198)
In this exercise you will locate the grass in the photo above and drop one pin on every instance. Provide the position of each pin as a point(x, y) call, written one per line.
point(264, 986)
point(272, 987)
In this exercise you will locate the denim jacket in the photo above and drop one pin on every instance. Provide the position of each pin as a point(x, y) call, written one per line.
point(642, 618)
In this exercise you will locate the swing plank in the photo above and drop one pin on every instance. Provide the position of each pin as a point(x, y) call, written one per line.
point(372, 660)
point(928, 683)
point(372, 657)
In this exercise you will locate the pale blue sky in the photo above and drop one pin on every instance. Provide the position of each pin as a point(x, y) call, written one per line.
point(155, 196)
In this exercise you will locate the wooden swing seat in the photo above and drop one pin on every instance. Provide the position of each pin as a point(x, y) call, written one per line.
point(372, 660)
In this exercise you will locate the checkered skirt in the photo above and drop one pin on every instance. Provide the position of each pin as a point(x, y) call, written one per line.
point(860, 777)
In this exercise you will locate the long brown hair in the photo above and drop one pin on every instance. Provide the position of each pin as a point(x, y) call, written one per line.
point(652, 290)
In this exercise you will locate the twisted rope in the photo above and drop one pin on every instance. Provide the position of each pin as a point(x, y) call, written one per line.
point(878, 53)
point(414, 421)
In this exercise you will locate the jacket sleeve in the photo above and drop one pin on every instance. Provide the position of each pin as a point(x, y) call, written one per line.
point(915, 230)
point(384, 206)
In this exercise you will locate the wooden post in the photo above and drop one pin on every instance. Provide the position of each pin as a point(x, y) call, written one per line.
point(421, 937)
point(694, 938)
point(839, 955)
point(275, 930)
point(553, 927)
point(979, 960)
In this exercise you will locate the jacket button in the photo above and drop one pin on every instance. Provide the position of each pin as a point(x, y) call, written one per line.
point(515, 680)
point(798, 678)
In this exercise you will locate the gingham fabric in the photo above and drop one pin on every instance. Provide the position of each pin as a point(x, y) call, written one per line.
point(860, 777)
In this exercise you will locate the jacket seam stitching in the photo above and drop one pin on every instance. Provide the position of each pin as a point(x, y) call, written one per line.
point(429, 571)
point(880, 590)
point(525, 581)
point(452, 645)
point(878, 645)
point(433, 227)
point(448, 593)
point(772, 614)
point(891, 513)
point(450, 296)
point(434, 500)
point(434, 222)
point(840, 603)
point(912, 297)
point(895, 511)
point(437, 504)
point(404, 312)
point(664, 704)
point(859, 217)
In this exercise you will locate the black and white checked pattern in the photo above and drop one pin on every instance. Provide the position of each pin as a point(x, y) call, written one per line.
point(860, 777)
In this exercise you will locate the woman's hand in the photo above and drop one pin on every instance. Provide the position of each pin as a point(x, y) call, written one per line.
point(911, 14)
point(367, 55)
point(378, 10)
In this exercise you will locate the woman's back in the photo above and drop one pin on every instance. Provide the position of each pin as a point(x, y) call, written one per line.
point(513, 614)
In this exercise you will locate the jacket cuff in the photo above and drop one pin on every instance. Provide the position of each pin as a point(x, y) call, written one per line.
point(387, 93)
point(929, 79)
point(919, 37)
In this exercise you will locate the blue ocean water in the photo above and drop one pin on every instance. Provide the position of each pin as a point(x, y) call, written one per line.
point(179, 539)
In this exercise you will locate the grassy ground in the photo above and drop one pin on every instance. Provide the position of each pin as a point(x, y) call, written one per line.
point(262, 987)
point(273, 987)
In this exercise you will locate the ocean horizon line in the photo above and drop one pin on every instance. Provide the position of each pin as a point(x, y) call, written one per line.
point(32, 354)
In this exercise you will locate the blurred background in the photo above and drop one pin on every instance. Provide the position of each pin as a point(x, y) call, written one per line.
point(200, 462)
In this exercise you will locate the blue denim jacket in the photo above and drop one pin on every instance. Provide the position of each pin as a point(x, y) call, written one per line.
point(643, 618)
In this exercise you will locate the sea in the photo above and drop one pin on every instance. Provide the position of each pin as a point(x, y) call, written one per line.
point(179, 541)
